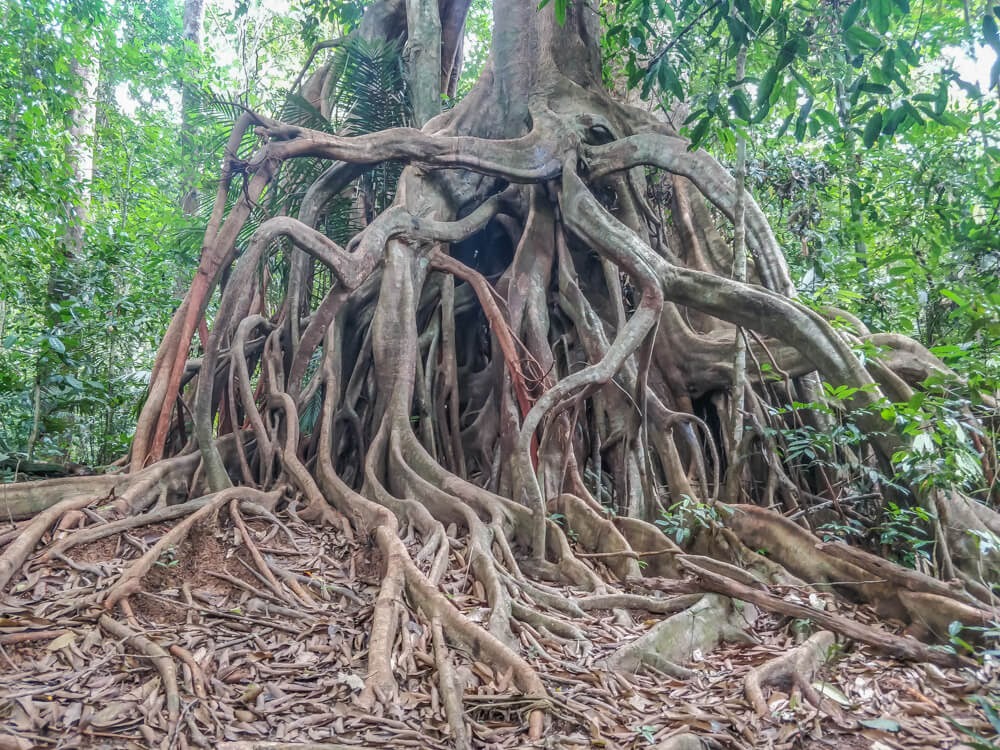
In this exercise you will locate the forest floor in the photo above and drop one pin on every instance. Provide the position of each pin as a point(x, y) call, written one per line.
point(251, 668)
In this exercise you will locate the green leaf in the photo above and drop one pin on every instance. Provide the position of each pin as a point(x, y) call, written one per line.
point(560, 7)
point(739, 104)
point(892, 122)
point(765, 88)
point(875, 88)
point(803, 119)
point(941, 100)
point(852, 14)
point(787, 52)
point(879, 11)
point(56, 345)
point(913, 113)
point(863, 38)
point(826, 117)
point(784, 126)
point(669, 80)
point(905, 50)
point(872, 130)
point(699, 131)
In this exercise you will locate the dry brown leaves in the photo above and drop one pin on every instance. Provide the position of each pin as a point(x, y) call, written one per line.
point(258, 669)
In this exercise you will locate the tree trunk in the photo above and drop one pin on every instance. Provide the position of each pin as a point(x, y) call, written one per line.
point(191, 33)
point(80, 164)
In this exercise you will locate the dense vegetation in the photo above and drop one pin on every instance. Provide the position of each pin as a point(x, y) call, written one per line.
point(925, 220)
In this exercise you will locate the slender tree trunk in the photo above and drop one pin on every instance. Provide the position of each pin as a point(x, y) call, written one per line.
point(193, 24)
point(80, 160)
point(80, 153)
point(739, 274)
point(852, 162)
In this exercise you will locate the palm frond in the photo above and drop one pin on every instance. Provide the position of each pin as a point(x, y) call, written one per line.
point(371, 94)
point(297, 110)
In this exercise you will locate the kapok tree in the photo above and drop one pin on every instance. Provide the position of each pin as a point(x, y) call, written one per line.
point(533, 327)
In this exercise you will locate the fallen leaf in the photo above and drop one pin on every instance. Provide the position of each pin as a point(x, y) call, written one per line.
point(62, 641)
point(351, 680)
point(886, 725)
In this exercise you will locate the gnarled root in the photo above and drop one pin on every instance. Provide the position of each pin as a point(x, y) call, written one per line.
point(131, 580)
point(161, 660)
point(797, 667)
point(677, 640)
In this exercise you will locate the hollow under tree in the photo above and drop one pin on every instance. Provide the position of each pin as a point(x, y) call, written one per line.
point(479, 392)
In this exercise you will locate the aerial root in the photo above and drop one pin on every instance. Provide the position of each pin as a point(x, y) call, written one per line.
point(797, 667)
point(160, 658)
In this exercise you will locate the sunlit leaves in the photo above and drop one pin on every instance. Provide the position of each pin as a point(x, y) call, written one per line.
point(872, 130)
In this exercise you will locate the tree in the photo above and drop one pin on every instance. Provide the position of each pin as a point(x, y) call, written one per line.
point(531, 346)
point(85, 69)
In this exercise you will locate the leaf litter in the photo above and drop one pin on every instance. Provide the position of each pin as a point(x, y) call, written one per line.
point(250, 668)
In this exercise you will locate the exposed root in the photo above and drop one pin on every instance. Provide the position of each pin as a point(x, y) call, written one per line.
point(160, 659)
point(102, 531)
point(526, 335)
point(131, 580)
point(680, 638)
point(797, 667)
point(900, 648)
point(664, 606)
point(17, 551)
point(451, 694)
point(24, 500)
